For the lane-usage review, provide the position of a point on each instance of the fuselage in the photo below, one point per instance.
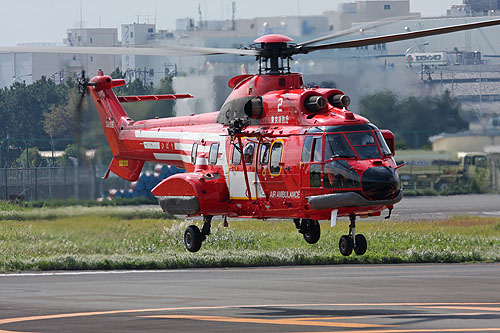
(288, 161)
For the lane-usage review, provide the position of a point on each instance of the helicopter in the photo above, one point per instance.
(275, 149)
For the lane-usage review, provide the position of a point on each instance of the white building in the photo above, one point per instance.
(30, 67)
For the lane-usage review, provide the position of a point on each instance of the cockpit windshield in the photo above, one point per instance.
(336, 146)
(362, 144)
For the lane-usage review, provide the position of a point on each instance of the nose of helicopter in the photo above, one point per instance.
(380, 182)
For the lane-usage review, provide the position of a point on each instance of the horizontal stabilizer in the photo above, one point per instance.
(128, 99)
(125, 168)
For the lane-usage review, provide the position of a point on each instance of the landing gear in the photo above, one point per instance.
(193, 237)
(310, 229)
(350, 242)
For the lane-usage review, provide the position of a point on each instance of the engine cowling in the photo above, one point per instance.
(194, 193)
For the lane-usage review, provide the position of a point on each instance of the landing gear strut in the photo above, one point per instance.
(350, 242)
(193, 237)
(310, 229)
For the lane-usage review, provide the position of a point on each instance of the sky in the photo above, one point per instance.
(26, 21)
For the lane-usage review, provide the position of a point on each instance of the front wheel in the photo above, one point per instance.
(192, 238)
(361, 245)
(345, 245)
(312, 231)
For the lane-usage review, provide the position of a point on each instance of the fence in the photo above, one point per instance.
(56, 183)
(418, 175)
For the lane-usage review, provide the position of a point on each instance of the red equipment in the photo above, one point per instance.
(276, 149)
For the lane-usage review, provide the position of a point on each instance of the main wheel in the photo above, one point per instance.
(345, 245)
(192, 238)
(312, 231)
(361, 245)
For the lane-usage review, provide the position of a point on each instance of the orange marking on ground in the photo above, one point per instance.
(291, 322)
(87, 314)
(480, 308)
(419, 330)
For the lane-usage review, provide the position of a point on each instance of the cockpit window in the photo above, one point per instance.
(336, 146)
(364, 143)
(386, 151)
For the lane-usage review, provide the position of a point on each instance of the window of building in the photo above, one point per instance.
(150, 29)
(387, 7)
(131, 34)
(90, 40)
(214, 153)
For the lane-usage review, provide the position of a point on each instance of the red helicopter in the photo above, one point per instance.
(276, 149)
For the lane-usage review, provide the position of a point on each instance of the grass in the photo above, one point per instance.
(137, 238)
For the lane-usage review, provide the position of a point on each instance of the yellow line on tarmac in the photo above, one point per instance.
(291, 322)
(416, 330)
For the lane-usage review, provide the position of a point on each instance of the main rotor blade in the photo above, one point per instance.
(358, 28)
(166, 50)
(401, 36)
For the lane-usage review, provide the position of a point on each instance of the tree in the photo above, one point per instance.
(414, 119)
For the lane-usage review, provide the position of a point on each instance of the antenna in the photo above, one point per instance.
(233, 19)
(81, 14)
(200, 22)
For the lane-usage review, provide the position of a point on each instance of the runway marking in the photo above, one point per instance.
(291, 322)
(418, 330)
(461, 306)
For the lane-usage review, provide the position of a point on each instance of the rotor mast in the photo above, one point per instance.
(274, 48)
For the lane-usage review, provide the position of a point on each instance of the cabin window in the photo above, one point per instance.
(236, 154)
(317, 149)
(306, 151)
(194, 153)
(276, 150)
(264, 153)
(248, 152)
(214, 153)
(315, 175)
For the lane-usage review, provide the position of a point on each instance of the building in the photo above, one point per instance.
(30, 67)
(367, 11)
(483, 7)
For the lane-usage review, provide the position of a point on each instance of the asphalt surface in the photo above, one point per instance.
(360, 298)
(439, 207)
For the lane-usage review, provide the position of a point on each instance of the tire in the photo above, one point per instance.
(361, 245)
(312, 231)
(345, 245)
(192, 238)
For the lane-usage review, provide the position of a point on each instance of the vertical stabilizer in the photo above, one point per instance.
(113, 118)
(109, 109)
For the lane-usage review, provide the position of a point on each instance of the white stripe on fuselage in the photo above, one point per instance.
(214, 137)
(177, 135)
(151, 145)
(172, 157)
